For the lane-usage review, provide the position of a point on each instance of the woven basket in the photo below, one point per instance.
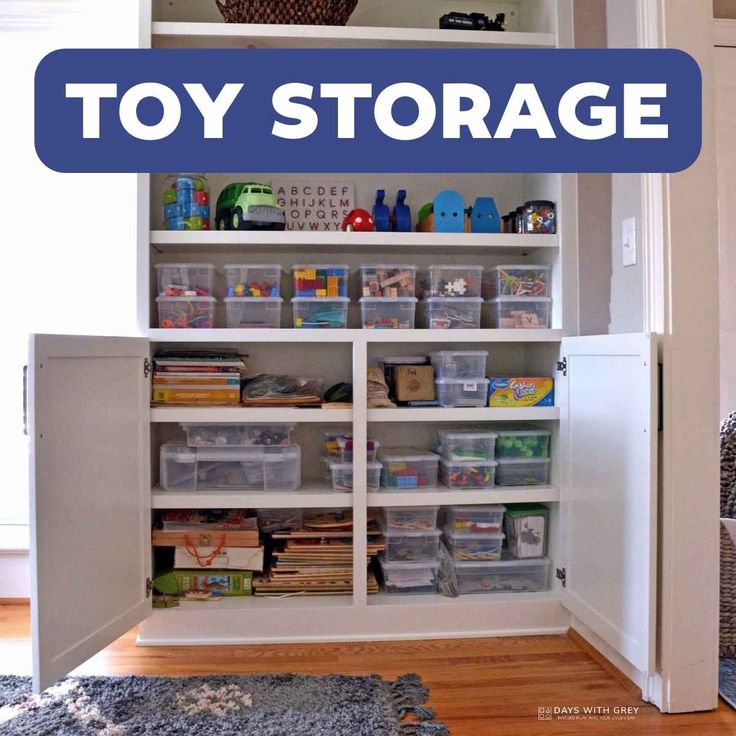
(728, 596)
(301, 12)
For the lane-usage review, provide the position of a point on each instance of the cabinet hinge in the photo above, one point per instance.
(561, 574)
(562, 366)
(149, 587)
(146, 367)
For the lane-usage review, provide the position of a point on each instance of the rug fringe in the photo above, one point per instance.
(409, 695)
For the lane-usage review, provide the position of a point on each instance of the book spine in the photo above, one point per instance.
(196, 395)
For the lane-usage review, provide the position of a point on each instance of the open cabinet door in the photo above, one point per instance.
(608, 489)
(88, 400)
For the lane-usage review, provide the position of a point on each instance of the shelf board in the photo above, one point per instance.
(248, 414)
(309, 496)
(460, 414)
(173, 241)
(445, 497)
(240, 35)
(224, 335)
(461, 336)
(437, 599)
(254, 603)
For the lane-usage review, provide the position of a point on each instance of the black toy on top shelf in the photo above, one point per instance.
(473, 22)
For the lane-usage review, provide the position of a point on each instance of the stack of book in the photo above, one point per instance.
(200, 379)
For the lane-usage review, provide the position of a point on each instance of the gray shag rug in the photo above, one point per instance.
(726, 680)
(220, 705)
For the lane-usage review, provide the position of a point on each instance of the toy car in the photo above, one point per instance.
(248, 206)
(360, 221)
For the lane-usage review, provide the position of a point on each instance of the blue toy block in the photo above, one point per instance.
(381, 214)
(449, 212)
(406, 481)
(204, 211)
(402, 214)
(171, 211)
(484, 216)
(177, 223)
(184, 182)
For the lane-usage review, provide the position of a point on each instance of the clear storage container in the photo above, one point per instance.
(186, 312)
(388, 313)
(186, 468)
(252, 279)
(408, 467)
(484, 519)
(253, 312)
(345, 445)
(342, 476)
(473, 545)
(450, 313)
(410, 518)
(186, 202)
(459, 363)
(467, 475)
(408, 577)
(526, 530)
(516, 280)
(454, 281)
(516, 312)
(462, 391)
(275, 520)
(504, 576)
(410, 546)
(538, 217)
(322, 281)
(525, 443)
(311, 312)
(522, 471)
(210, 434)
(185, 279)
(387, 280)
(473, 445)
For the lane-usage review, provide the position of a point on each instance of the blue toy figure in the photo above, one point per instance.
(449, 212)
(381, 215)
(484, 216)
(401, 216)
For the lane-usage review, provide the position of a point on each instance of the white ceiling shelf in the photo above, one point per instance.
(461, 414)
(242, 35)
(268, 415)
(445, 497)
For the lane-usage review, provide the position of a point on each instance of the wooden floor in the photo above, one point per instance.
(478, 687)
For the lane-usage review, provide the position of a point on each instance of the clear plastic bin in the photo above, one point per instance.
(516, 280)
(522, 471)
(408, 577)
(473, 545)
(342, 476)
(223, 468)
(237, 435)
(185, 279)
(473, 445)
(275, 520)
(410, 546)
(186, 202)
(454, 281)
(258, 280)
(471, 519)
(459, 363)
(312, 312)
(451, 313)
(526, 530)
(462, 391)
(321, 281)
(467, 475)
(387, 280)
(345, 445)
(505, 576)
(186, 312)
(410, 518)
(388, 313)
(408, 467)
(515, 312)
(253, 312)
(524, 443)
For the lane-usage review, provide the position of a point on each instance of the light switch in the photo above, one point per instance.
(628, 241)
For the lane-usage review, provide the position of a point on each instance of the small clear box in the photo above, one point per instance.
(459, 363)
(467, 475)
(388, 313)
(257, 280)
(345, 445)
(454, 281)
(522, 443)
(410, 546)
(312, 312)
(405, 468)
(460, 445)
(185, 279)
(523, 471)
(526, 530)
(450, 313)
(321, 281)
(186, 312)
(342, 476)
(408, 577)
(462, 391)
(505, 576)
(470, 519)
(210, 434)
(519, 312)
(253, 312)
(387, 280)
(516, 280)
(410, 518)
(473, 545)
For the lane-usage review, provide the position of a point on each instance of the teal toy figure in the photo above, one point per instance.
(484, 216)
(381, 215)
(449, 212)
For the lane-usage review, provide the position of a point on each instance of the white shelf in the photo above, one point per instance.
(437, 599)
(226, 414)
(445, 497)
(309, 496)
(223, 335)
(451, 336)
(259, 603)
(240, 35)
(446, 414)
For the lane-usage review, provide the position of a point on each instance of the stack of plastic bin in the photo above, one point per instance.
(339, 460)
(460, 377)
(320, 296)
(518, 296)
(467, 462)
(388, 301)
(452, 299)
(185, 298)
(253, 295)
(523, 456)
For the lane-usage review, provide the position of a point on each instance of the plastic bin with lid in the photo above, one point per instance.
(459, 363)
(185, 279)
(486, 519)
(454, 280)
(387, 280)
(257, 280)
(410, 545)
(522, 471)
(410, 518)
(464, 545)
(466, 444)
(186, 312)
(450, 313)
(342, 476)
(388, 313)
(345, 445)
(408, 467)
(408, 577)
(186, 468)
(504, 576)
(524, 443)
(214, 434)
(311, 312)
(253, 312)
(526, 530)
(468, 475)
(519, 312)
(516, 280)
(320, 280)
(462, 391)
